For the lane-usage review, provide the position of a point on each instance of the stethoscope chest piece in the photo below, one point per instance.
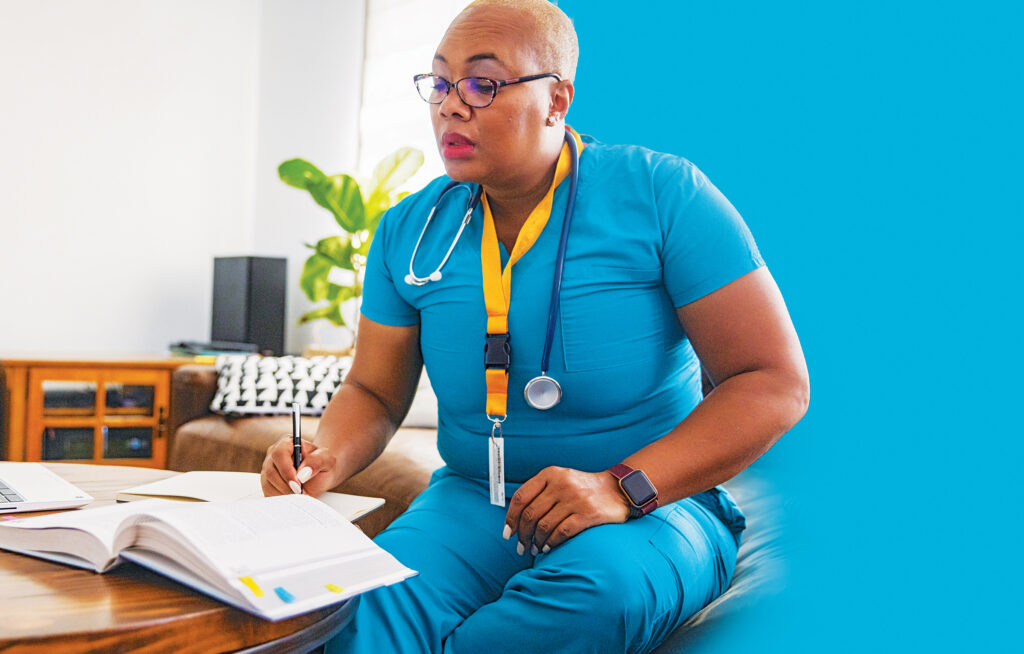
(421, 281)
(542, 392)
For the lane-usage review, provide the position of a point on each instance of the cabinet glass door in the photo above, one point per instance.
(127, 442)
(69, 398)
(134, 413)
(129, 399)
(74, 443)
(102, 415)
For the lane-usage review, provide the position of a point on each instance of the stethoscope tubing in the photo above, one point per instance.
(556, 283)
(474, 200)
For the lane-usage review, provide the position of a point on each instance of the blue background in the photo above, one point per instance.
(874, 150)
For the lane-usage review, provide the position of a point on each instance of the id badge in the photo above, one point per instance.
(496, 461)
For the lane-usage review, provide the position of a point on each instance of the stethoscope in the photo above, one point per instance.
(542, 392)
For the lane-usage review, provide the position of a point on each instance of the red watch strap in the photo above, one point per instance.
(650, 506)
(620, 470)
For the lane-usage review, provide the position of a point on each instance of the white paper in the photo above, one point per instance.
(220, 486)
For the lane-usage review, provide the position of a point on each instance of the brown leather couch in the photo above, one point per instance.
(202, 441)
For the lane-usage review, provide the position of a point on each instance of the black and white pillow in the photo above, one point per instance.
(250, 384)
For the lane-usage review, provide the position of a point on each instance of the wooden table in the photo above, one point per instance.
(48, 607)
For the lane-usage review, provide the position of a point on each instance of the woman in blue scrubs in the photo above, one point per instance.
(596, 524)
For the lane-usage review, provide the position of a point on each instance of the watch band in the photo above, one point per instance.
(620, 471)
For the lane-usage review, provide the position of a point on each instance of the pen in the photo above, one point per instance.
(296, 437)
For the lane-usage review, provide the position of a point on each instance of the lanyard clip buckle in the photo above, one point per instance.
(497, 351)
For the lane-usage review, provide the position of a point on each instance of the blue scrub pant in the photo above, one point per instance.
(611, 588)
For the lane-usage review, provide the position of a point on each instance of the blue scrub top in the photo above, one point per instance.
(650, 233)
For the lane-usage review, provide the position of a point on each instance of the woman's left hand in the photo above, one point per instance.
(558, 503)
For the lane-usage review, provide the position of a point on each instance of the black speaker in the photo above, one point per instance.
(249, 301)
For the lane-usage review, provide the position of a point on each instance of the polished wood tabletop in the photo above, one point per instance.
(48, 607)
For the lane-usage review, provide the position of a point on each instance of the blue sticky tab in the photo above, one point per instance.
(284, 595)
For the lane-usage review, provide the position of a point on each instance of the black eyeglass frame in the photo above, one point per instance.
(496, 84)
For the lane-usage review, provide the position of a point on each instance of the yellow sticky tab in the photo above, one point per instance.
(334, 589)
(253, 586)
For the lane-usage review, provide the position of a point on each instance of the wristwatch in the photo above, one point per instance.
(638, 489)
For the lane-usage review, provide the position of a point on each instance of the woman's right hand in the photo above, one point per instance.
(314, 476)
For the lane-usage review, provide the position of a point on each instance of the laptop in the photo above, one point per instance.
(32, 487)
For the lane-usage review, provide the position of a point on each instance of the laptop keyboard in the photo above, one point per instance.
(8, 494)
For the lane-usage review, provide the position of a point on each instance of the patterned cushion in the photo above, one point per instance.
(250, 384)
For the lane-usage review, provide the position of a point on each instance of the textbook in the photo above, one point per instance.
(219, 486)
(275, 557)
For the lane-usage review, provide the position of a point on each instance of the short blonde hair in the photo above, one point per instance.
(555, 37)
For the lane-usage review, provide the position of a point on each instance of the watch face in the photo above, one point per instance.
(638, 488)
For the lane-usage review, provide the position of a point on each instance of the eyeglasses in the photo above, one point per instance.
(476, 92)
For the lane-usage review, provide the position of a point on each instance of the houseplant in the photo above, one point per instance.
(333, 273)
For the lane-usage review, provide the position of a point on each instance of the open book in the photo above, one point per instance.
(220, 486)
(275, 557)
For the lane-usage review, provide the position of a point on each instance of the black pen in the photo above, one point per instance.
(296, 437)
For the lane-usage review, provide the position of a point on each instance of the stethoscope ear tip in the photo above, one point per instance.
(409, 280)
(435, 276)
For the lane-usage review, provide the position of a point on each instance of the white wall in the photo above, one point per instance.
(310, 64)
(135, 142)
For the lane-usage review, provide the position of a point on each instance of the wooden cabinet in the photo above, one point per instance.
(90, 411)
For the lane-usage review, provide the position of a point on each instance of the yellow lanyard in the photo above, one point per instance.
(497, 285)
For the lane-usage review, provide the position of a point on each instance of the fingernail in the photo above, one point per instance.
(304, 474)
(520, 549)
(534, 550)
(295, 488)
(547, 548)
(507, 532)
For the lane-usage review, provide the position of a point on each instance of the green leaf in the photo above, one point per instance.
(331, 312)
(374, 214)
(341, 195)
(345, 201)
(337, 250)
(395, 169)
(300, 173)
(314, 277)
(319, 192)
(336, 293)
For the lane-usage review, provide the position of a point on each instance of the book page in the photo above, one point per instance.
(86, 533)
(205, 485)
(221, 486)
(352, 507)
(290, 592)
(253, 536)
(101, 522)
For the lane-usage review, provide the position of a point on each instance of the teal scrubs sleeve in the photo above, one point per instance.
(706, 243)
(381, 301)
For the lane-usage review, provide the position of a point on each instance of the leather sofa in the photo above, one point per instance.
(200, 440)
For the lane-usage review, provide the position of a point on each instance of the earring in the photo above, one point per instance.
(551, 120)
